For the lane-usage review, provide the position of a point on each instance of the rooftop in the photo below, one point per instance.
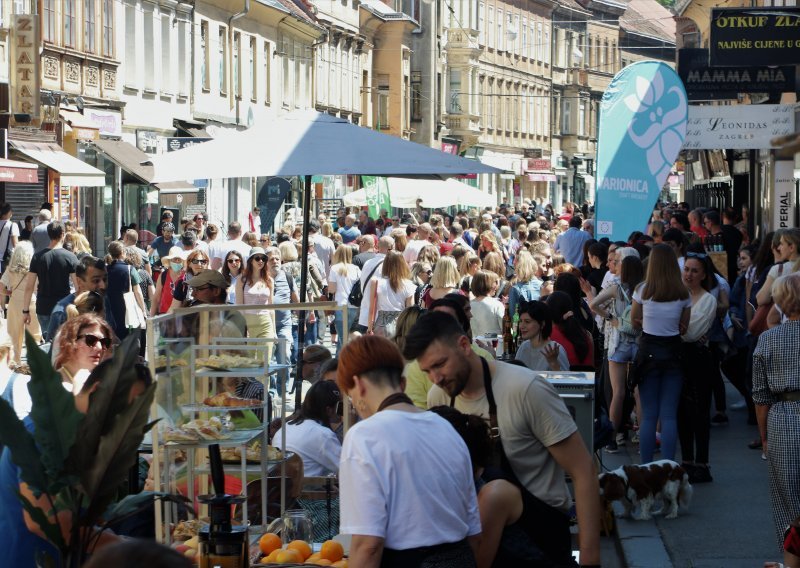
(649, 18)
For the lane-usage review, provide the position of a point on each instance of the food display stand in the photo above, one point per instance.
(192, 353)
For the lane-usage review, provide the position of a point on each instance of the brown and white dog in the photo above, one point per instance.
(638, 487)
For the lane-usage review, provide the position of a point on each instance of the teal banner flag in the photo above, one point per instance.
(643, 117)
(377, 192)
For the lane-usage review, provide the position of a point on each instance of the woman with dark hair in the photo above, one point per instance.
(568, 331)
(232, 270)
(257, 287)
(401, 511)
(570, 284)
(537, 351)
(122, 278)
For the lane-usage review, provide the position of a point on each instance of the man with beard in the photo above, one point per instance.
(539, 437)
(90, 276)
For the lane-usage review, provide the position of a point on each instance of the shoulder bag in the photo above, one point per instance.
(758, 324)
(134, 316)
(356, 295)
(625, 322)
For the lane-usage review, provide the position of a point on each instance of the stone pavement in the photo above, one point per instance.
(729, 523)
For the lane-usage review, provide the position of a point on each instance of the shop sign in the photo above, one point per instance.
(737, 127)
(18, 175)
(704, 82)
(175, 143)
(25, 65)
(86, 134)
(147, 141)
(783, 195)
(755, 36)
(270, 198)
(532, 153)
(450, 148)
(110, 122)
(538, 165)
(637, 146)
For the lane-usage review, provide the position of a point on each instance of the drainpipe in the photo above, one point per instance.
(231, 87)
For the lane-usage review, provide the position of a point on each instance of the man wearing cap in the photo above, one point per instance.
(211, 287)
(161, 245)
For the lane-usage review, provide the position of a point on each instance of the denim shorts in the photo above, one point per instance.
(626, 350)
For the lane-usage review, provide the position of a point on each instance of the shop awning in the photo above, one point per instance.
(73, 172)
(18, 172)
(129, 158)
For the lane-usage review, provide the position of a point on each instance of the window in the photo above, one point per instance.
(267, 73)
(149, 49)
(237, 65)
(69, 23)
(131, 79)
(299, 74)
(167, 74)
(286, 74)
(108, 28)
(222, 54)
(539, 42)
(603, 56)
(346, 91)
(382, 103)
(355, 85)
(481, 24)
(530, 103)
(566, 117)
(539, 118)
(547, 46)
(407, 104)
(501, 106)
(454, 106)
(183, 28)
(546, 114)
(253, 70)
(582, 118)
(523, 111)
(518, 39)
(501, 40)
(490, 105)
(333, 91)
(49, 21)
(533, 42)
(490, 28)
(515, 110)
(89, 16)
(481, 98)
(524, 46)
(205, 81)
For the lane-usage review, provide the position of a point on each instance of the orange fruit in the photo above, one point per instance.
(331, 550)
(271, 557)
(302, 547)
(340, 564)
(319, 562)
(313, 557)
(269, 542)
(287, 556)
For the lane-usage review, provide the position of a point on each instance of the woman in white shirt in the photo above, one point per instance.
(407, 491)
(391, 294)
(694, 424)
(487, 311)
(661, 307)
(255, 286)
(538, 352)
(342, 276)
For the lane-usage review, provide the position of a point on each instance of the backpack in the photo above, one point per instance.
(625, 322)
(356, 293)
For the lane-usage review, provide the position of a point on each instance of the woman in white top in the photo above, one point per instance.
(405, 477)
(694, 424)
(661, 307)
(487, 311)
(538, 352)
(12, 281)
(343, 275)
(255, 286)
(786, 244)
(391, 294)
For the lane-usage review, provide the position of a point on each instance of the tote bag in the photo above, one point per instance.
(134, 316)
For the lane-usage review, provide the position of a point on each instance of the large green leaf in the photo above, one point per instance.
(116, 454)
(53, 411)
(116, 377)
(24, 452)
(51, 530)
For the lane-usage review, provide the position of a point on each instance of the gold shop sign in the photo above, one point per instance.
(25, 65)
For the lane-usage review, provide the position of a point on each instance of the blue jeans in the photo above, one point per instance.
(44, 324)
(660, 392)
(338, 321)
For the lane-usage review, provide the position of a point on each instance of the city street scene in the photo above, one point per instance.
(399, 284)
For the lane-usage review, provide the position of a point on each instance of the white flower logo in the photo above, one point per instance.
(666, 129)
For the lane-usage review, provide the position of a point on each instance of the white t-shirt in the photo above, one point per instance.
(407, 478)
(367, 272)
(412, 250)
(702, 317)
(661, 318)
(487, 316)
(317, 445)
(231, 244)
(390, 300)
(344, 283)
(19, 392)
(535, 360)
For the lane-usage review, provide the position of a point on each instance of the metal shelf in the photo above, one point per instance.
(207, 408)
(238, 438)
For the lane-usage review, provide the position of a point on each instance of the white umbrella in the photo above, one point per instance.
(309, 143)
(404, 192)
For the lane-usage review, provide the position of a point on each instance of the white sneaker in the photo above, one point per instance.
(620, 439)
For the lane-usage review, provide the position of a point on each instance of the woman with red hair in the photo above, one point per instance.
(399, 514)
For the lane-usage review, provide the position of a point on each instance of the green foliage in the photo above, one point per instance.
(51, 530)
(24, 452)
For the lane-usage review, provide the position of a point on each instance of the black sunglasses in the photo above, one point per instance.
(234, 261)
(92, 340)
(259, 258)
(199, 261)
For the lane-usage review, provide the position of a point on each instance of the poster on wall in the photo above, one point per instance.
(270, 199)
(783, 215)
(642, 128)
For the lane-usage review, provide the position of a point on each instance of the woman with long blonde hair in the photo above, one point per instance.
(391, 294)
(342, 276)
(12, 279)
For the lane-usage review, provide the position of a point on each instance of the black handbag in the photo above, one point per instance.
(356, 295)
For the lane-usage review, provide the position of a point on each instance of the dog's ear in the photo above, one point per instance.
(612, 487)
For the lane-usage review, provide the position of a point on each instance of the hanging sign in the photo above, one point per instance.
(737, 127)
(642, 127)
(270, 198)
(755, 36)
(783, 195)
(703, 82)
(25, 65)
(377, 192)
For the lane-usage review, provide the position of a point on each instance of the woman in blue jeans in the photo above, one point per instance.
(661, 307)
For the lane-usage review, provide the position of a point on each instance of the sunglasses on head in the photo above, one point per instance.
(698, 255)
(92, 340)
(259, 258)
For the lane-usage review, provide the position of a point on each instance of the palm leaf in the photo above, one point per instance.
(50, 529)
(116, 454)
(116, 376)
(53, 412)
(24, 452)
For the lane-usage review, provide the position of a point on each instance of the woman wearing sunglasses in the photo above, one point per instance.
(196, 262)
(232, 270)
(82, 343)
(255, 286)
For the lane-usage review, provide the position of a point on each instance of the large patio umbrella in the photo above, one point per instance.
(307, 143)
(404, 192)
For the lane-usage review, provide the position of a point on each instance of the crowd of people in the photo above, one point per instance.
(426, 299)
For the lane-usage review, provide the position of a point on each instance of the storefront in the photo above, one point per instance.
(23, 185)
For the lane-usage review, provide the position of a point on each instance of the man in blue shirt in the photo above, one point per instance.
(349, 232)
(90, 276)
(570, 243)
(162, 244)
